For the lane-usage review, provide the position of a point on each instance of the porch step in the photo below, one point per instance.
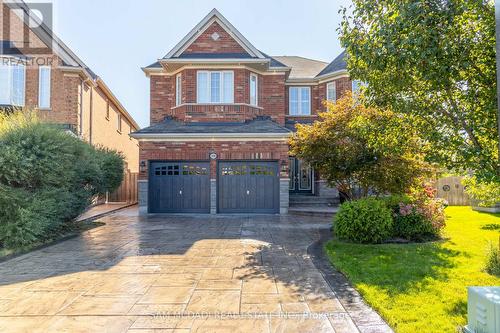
(311, 200)
(318, 211)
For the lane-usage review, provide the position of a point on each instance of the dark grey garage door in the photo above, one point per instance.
(248, 187)
(179, 187)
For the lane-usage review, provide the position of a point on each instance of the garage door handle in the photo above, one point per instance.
(248, 192)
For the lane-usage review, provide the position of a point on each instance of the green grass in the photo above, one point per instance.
(422, 287)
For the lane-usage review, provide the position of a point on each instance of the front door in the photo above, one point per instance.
(301, 176)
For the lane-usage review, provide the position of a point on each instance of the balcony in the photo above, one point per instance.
(216, 112)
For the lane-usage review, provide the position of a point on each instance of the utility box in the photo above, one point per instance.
(483, 310)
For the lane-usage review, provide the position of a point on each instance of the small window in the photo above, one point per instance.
(119, 123)
(107, 109)
(331, 93)
(178, 89)
(299, 101)
(44, 87)
(253, 90)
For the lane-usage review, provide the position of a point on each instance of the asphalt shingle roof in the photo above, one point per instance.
(262, 124)
(337, 64)
(301, 67)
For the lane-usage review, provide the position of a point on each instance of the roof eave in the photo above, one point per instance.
(115, 100)
(232, 136)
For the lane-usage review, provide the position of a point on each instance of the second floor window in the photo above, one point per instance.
(331, 94)
(119, 123)
(12, 84)
(215, 87)
(178, 89)
(299, 101)
(253, 90)
(44, 87)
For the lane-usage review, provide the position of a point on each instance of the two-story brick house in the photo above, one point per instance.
(221, 116)
(38, 71)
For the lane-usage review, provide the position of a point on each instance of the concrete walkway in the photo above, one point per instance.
(100, 210)
(179, 274)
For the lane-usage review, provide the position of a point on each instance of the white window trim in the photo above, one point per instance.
(178, 89)
(44, 107)
(328, 85)
(10, 85)
(209, 87)
(299, 101)
(256, 89)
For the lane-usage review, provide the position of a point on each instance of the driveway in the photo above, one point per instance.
(181, 274)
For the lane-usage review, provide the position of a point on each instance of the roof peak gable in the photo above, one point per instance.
(204, 24)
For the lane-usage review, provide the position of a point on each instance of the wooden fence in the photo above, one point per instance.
(127, 192)
(452, 190)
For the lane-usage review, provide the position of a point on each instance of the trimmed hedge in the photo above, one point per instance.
(363, 221)
(47, 178)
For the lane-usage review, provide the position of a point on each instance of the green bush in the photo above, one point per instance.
(47, 178)
(493, 261)
(363, 221)
(482, 193)
(414, 227)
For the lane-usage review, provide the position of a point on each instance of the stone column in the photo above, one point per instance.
(213, 196)
(143, 197)
(284, 195)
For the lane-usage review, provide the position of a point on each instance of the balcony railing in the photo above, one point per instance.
(216, 112)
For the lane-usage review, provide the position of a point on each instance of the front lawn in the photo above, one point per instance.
(422, 287)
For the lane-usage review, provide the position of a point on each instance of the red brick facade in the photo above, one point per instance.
(223, 44)
(226, 150)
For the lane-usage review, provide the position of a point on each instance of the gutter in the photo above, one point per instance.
(214, 136)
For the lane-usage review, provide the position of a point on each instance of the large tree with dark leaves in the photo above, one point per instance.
(434, 59)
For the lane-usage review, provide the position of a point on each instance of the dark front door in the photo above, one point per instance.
(248, 187)
(301, 176)
(179, 187)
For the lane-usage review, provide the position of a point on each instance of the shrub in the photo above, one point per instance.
(363, 221)
(412, 225)
(493, 261)
(485, 194)
(47, 178)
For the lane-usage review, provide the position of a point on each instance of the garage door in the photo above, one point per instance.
(248, 187)
(179, 187)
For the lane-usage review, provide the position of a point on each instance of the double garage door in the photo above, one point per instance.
(242, 187)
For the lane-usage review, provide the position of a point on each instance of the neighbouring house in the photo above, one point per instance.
(222, 112)
(38, 71)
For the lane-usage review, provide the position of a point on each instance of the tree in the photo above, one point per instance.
(433, 60)
(362, 150)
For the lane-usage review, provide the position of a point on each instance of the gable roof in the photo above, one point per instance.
(336, 65)
(214, 16)
(302, 68)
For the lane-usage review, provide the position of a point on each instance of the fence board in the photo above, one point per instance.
(452, 190)
(127, 192)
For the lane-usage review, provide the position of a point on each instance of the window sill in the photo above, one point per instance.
(217, 104)
(301, 115)
(45, 109)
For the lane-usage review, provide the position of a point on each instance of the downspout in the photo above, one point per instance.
(80, 134)
(90, 116)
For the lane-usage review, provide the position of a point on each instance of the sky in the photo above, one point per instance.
(115, 38)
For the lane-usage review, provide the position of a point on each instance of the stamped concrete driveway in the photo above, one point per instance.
(181, 274)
